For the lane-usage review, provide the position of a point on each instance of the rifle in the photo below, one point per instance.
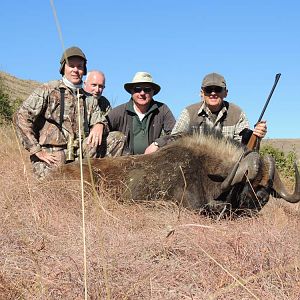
(253, 141)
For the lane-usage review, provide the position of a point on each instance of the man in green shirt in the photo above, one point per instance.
(142, 119)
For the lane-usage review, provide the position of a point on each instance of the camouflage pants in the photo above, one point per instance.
(112, 146)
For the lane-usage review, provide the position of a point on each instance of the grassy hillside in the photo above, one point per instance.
(17, 89)
(135, 250)
(285, 145)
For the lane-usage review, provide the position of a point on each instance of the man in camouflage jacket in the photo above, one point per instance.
(47, 122)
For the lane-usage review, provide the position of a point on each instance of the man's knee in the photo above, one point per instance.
(115, 143)
(40, 169)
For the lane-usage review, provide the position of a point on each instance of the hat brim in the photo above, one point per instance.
(129, 86)
(213, 83)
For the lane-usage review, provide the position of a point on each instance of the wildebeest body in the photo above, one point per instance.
(189, 171)
(193, 171)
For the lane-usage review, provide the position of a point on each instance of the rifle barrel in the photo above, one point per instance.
(270, 95)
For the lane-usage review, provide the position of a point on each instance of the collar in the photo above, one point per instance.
(70, 85)
(204, 110)
(153, 105)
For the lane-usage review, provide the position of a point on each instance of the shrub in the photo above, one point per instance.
(7, 107)
(284, 162)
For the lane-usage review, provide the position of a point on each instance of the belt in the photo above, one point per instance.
(57, 148)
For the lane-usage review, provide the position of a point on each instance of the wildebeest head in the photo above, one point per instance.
(251, 181)
(197, 172)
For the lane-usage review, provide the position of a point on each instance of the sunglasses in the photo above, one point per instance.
(210, 89)
(138, 89)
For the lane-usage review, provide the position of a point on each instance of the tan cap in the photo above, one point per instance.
(214, 79)
(72, 51)
(142, 77)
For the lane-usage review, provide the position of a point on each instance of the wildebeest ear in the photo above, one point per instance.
(216, 177)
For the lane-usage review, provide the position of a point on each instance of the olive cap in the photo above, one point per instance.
(214, 79)
(72, 51)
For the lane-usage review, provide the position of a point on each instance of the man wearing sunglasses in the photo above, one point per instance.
(142, 119)
(215, 112)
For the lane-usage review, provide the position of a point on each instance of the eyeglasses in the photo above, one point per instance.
(210, 89)
(138, 89)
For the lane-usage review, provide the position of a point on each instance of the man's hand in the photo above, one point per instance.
(49, 158)
(151, 148)
(260, 129)
(95, 137)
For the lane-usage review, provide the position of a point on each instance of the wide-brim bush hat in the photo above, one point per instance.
(142, 77)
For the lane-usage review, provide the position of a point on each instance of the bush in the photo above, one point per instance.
(284, 162)
(7, 107)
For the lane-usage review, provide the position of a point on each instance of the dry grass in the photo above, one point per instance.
(16, 88)
(136, 251)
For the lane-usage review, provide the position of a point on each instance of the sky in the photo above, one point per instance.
(178, 42)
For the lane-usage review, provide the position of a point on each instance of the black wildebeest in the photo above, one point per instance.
(196, 171)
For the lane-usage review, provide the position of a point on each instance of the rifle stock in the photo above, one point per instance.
(254, 141)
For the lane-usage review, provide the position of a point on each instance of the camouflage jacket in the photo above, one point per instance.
(104, 105)
(39, 121)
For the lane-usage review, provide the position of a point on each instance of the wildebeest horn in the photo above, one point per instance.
(280, 189)
(249, 164)
(271, 161)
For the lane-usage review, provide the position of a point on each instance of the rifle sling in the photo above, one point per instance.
(62, 106)
(62, 110)
(85, 118)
